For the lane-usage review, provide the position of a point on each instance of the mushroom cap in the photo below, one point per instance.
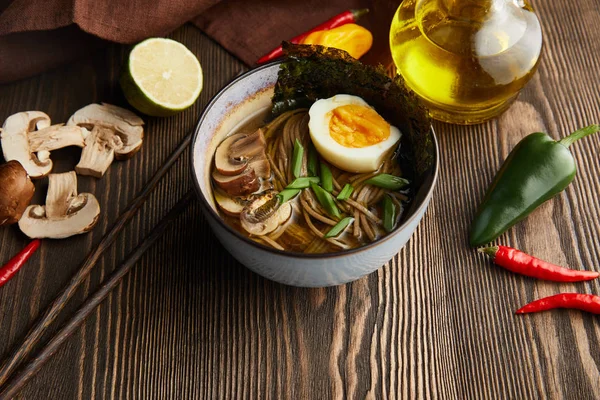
(36, 225)
(229, 205)
(124, 123)
(16, 191)
(15, 141)
(226, 164)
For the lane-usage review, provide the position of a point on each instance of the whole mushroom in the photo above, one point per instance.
(16, 191)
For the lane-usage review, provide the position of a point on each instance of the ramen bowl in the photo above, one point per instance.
(245, 98)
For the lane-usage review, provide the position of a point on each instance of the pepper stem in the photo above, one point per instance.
(581, 133)
(357, 13)
(490, 251)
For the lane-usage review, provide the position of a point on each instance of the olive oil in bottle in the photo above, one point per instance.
(466, 59)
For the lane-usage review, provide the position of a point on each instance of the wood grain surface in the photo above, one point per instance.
(436, 322)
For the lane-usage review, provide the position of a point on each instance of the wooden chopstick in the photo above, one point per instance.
(93, 301)
(42, 324)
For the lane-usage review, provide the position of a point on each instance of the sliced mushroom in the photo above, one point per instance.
(123, 123)
(264, 186)
(248, 145)
(21, 142)
(239, 185)
(241, 165)
(263, 215)
(261, 166)
(225, 164)
(229, 205)
(99, 152)
(65, 214)
(16, 191)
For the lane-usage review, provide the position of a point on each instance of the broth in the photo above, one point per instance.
(303, 231)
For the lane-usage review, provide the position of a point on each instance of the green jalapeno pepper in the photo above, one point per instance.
(537, 169)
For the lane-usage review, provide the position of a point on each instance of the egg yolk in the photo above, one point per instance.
(353, 125)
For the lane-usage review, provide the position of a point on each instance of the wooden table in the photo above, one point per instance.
(436, 322)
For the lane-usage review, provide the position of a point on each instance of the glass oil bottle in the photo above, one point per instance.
(466, 59)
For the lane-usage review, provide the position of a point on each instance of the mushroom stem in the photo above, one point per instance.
(99, 152)
(55, 137)
(62, 189)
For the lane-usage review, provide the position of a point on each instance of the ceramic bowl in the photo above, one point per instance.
(246, 97)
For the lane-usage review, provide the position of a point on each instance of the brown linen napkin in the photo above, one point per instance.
(36, 35)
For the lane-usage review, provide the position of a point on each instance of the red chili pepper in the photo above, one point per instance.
(516, 261)
(13, 266)
(584, 302)
(341, 19)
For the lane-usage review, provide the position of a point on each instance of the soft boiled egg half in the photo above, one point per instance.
(350, 134)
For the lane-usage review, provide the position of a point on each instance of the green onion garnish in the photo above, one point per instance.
(389, 213)
(313, 161)
(326, 178)
(303, 182)
(346, 192)
(339, 227)
(326, 200)
(287, 194)
(387, 181)
(297, 159)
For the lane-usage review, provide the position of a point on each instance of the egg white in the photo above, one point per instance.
(350, 159)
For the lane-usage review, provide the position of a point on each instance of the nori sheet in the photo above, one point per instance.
(312, 72)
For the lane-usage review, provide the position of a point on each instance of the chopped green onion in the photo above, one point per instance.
(339, 227)
(303, 182)
(387, 181)
(389, 213)
(326, 200)
(313, 161)
(287, 194)
(346, 192)
(297, 159)
(326, 178)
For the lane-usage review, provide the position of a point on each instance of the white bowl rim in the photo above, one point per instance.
(293, 254)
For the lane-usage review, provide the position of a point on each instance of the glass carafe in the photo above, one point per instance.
(467, 59)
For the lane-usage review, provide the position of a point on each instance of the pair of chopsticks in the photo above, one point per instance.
(7, 391)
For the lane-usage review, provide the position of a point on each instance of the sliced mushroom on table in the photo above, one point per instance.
(119, 134)
(16, 191)
(66, 213)
(28, 138)
(99, 152)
